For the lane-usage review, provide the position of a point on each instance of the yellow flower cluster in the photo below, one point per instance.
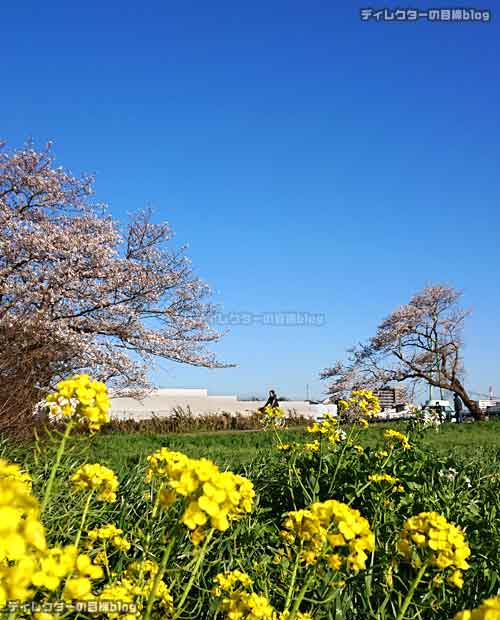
(272, 412)
(141, 568)
(247, 606)
(134, 587)
(96, 478)
(81, 398)
(22, 536)
(428, 537)
(329, 429)
(238, 604)
(488, 610)
(49, 569)
(326, 427)
(108, 532)
(395, 437)
(15, 581)
(383, 478)
(79, 586)
(361, 403)
(14, 472)
(129, 591)
(271, 417)
(214, 497)
(391, 480)
(225, 582)
(53, 566)
(21, 531)
(327, 527)
(25, 560)
(125, 591)
(308, 446)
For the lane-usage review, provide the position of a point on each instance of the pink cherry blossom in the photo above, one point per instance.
(80, 292)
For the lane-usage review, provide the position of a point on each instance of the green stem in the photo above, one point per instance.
(194, 574)
(79, 534)
(292, 581)
(320, 467)
(277, 435)
(301, 595)
(290, 487)
(365, 486)
(411, 591)
(106, 561)
(158, 577)
(55, 466)
(147, 542)
(344, 447)
(331, 590)
(84, 518)
(307, 496)
(387, 459)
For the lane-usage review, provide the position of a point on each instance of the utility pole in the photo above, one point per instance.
(307, 391)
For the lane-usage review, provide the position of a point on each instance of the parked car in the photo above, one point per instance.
(442, 408)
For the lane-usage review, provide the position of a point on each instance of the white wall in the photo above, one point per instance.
(163, 401)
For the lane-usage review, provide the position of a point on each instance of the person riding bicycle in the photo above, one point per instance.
(272, 401)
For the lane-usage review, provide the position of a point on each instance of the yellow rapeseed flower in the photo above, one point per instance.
(488, 610)
(247, 606)
(98, 478)
(271, 417)
(428, 537)
(12, 470)
(81, 398)
(21, 532)
(214, 498)
(308, 446)
(53, 565)
(225, 582)
(134, 592)
(391, 480)
(108, 532)
(329, 530)
(16, 580)
(396, 438)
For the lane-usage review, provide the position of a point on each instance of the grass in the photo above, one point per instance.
(469, 498)
(237, 449)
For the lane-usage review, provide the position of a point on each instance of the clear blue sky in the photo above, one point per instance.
(313, 162)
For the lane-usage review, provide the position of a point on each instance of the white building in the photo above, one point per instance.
(487, 404)
(163, 401)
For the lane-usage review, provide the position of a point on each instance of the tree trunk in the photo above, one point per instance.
(471, 405)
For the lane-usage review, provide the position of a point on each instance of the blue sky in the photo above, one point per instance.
(313, 162)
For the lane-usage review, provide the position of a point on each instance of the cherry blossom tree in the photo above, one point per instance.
(81, 293)
(418, 342)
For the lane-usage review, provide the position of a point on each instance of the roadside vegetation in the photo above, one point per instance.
(344, 519)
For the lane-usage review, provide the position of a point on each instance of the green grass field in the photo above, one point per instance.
(240, 448)
(452, 471)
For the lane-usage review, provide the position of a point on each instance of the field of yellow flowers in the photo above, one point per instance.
(324, 528)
